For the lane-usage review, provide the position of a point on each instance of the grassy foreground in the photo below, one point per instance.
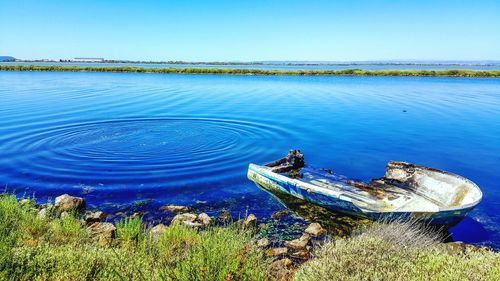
(235, 71)
(55, 248)
(34, 248)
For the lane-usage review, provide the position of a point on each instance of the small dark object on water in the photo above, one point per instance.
(330, 171)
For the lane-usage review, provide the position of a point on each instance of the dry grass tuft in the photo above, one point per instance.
(397, 251)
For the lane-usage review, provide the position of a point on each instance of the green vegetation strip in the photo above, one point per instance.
(239, 71)
(56, 247)
(52, 247)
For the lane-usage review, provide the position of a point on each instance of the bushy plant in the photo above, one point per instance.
(397, 251)
(130, 230)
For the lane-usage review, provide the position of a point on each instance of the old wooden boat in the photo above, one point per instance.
(405, 191)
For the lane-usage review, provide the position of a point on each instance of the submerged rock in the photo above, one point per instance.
(175, 208)
(69, 203)
(204, 219)
(279, 214)
(315, 229)
(102, 233)
(277, 252)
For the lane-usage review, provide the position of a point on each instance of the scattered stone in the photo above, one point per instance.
(225, 216)
(300, 243)
(120, 214)
(279, 214)
(315, 229)
(25, 202)
(175, 209)
(184, 217)
(157, 230)
(459, 248)
(69, 203)
(102, 233)
(204, 219)
(42, 214)
(277, 252)
(474, 248)
(64, 215)
(41, 206)
(263, 243)
(92, 217)
(453, 248)
(250, 221)
(192, 224)
(303, 255)
(281, 269)
(138, 215)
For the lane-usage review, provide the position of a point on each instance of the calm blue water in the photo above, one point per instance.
(493, 66)
(187, 139)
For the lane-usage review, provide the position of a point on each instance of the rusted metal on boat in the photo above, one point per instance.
(406, 190)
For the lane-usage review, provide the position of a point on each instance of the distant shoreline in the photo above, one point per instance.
(263, 72)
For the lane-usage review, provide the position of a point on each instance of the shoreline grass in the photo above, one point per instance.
(263, 72)
(57, 247)
(54, 247)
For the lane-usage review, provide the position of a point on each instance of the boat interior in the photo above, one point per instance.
(405, 187)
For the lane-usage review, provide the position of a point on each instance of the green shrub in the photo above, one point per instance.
(130, 230)
(219, 255)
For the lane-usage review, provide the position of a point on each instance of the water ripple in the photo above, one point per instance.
(149, 151)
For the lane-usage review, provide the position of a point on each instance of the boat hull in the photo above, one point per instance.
(334, 201)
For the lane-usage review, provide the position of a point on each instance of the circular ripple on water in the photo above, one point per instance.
(140, 152)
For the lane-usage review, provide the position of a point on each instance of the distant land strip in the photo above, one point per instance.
(240, 71)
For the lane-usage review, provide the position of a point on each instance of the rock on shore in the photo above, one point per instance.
(68, 203)
(102, 233)
(315, 230)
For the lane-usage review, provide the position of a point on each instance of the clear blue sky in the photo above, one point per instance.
(251, 30)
